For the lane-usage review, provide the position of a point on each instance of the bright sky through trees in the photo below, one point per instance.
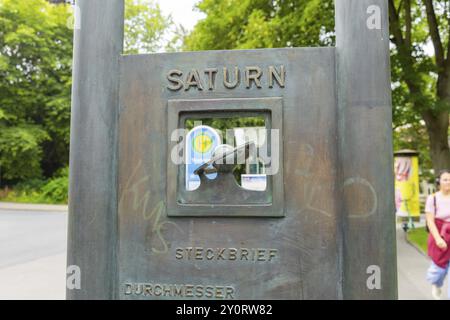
(182, 11)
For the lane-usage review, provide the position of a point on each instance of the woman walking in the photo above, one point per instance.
(437, 212)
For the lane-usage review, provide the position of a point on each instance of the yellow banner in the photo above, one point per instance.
(407, 186)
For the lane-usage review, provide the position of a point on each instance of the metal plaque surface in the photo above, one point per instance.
(280, 244)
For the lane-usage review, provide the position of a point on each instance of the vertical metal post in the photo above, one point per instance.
(98, 44)
(365, 149)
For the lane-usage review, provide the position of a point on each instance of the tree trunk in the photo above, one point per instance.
(437, 128)
(437, 124)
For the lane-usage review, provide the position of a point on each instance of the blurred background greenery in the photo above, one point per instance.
(35, 91)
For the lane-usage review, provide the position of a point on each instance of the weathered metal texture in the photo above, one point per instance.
(293, 257)
(337, 219)
(93, 166)
(365, 148)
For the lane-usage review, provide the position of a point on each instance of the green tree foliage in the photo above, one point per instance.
(35, 80)
(245, 24)
(421, 95)
(35, 72)
(251, 24)
(53, 191)
(145, 26)
(224, 124)
(414, 136)
(21, 151)
(57, 189)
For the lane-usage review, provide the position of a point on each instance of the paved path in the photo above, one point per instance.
(10, 206)
(32, 253)
(33, 256)
(412, 265)
(411, 269)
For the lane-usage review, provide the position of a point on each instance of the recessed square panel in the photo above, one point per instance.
(180, 238)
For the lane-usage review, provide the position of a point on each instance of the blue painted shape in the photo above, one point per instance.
(200, 145)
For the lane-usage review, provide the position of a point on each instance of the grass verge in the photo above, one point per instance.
(418, 237)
